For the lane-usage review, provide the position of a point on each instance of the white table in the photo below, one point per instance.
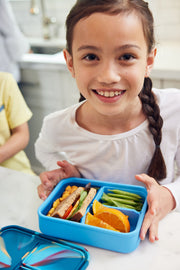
(19, 202)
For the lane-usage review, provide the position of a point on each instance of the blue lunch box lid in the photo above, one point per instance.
(21, 248)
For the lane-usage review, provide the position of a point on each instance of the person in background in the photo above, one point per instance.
(14, 132)
(123, 130)
(13, 44)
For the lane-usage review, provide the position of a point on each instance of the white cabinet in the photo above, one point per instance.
(45, 91)
(163, 83)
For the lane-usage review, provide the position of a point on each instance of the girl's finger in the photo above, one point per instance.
(41, 192)
(145, 179)
(48, 181)
(44, 179)
(63, 163)
(148, 220)
(153, 232)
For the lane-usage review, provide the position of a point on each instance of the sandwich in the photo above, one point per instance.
(74, 206)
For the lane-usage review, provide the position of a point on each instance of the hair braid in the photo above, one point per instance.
(157, 167)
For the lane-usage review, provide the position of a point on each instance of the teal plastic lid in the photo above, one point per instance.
(21, 248)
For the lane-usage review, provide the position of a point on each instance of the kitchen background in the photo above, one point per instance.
(46, 84)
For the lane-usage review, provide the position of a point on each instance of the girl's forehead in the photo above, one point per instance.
(106, 27)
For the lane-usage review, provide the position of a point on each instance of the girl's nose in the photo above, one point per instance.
(108, 74)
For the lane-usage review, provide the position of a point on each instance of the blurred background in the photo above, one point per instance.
(45, 82)
(166, 14)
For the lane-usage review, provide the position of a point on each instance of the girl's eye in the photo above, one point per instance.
(90, 57)
(127, 57)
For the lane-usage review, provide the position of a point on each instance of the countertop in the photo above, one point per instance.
(19, 204)
(167, 62)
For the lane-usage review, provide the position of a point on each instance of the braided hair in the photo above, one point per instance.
(157, 167)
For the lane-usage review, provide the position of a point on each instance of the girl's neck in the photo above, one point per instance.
(108, 125)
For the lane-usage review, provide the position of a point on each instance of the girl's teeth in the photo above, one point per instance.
(106, 94)
(101, 93)
(109, 93)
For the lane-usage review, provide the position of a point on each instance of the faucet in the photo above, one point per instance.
(34, 9)
(46, 21)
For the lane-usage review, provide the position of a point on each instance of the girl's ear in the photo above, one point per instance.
(150, 61)
(69, 62)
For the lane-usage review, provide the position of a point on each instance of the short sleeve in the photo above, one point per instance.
(17, 111)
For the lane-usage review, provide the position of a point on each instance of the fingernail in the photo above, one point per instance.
(142, 236)
(152, 239)
(43, 197)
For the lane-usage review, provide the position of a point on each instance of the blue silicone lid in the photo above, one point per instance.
(21, 248)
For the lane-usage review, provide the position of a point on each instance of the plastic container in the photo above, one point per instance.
(91, 235)
(21, 248)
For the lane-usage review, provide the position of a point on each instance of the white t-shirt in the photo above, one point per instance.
(115, 158)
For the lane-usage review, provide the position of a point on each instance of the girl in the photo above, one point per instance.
(116, 132)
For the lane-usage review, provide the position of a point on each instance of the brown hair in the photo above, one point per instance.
(83, 9)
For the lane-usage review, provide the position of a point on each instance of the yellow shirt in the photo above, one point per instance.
(13, 112)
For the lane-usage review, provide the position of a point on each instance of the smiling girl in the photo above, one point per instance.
(122, 130)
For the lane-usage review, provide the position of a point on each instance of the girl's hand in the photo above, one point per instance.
(50, 179)
(160, 203)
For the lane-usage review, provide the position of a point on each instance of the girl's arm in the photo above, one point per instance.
(17, 142)
(50, 179)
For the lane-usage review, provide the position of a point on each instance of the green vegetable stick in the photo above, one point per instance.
(123, 201)
(129, 202)
(129, 197)
(118, 191)
(120, 203)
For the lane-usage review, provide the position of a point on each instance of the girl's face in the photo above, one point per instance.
(109, 62)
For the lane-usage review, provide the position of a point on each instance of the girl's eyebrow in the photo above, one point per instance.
(128, 46)
(88, 47)
(120, 48)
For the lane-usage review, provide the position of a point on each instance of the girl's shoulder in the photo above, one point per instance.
(62, 116)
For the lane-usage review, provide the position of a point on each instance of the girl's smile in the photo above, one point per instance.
(109, 62)
(108, 95)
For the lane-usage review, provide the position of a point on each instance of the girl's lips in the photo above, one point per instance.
(110, 95)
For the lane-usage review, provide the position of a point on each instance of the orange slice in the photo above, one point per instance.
(111, 216)
(97, 207)
(94, 221)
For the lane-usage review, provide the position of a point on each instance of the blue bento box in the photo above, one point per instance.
(21, 248)
(90, 235)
